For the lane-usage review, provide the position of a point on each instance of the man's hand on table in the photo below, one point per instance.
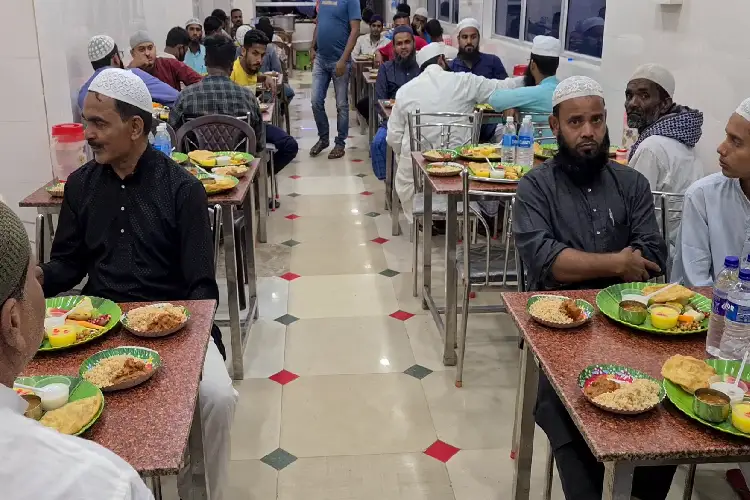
(634, 267)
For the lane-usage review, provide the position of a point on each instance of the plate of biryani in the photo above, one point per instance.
(437, 155)
(557, 311)
(120, 368)
(57, 189)
(620, 389)
(155, 320)
(444, 169)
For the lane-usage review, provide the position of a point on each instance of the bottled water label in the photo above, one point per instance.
(510, 141)
(525, 141)
(737, 313)
(720, 303)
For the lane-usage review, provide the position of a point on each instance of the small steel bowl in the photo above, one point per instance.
(711, 412)
(633, 317)
(34, 409)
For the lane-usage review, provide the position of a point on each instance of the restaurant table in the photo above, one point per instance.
(385, 108)
(370, 80)
(151, 425)
(359, 67)
(241, 196)
(663, 436)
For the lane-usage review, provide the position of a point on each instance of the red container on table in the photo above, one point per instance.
(68, 145)
(519, 69)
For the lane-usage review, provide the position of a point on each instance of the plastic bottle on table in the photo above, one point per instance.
(510, 141)
(726, 279)
(736, 338)
(162, 141)
(525, 150)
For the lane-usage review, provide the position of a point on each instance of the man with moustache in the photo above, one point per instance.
(174, 73)
(418, 22)
(196, 54)
(386, 52)
(391, 77)
(583, 221)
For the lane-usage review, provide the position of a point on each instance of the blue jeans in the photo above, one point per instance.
(378, 152)
(323, 73)
(286, 146)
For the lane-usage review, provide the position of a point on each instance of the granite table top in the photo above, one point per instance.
(453, 185)
(370, 79)
(385, 107)
(662, 434)
(147, 426)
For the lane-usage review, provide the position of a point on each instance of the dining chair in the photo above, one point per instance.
(668, 207)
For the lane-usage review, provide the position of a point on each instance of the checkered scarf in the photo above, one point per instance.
(681, 124)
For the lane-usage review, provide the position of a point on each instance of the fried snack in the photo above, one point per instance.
(599, 386)
(83, 311)
(233, 170)
(479, 169)
(570, 308)
(677, 293)
(481, 151)
(153, 319)
(689, 373)
(72, 417)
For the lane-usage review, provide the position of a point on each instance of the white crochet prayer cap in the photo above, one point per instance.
(744, 109)
(431, 50)
(657, 74)
(100, 46)
(124, 86)
(193, 21)
(544, 45)
(240, 34)
(140, 37)
(421, 12)
(468, 22)
(576, 86)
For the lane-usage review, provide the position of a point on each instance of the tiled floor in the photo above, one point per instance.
(344, 400)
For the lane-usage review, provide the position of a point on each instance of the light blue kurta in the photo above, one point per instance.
(536, 100)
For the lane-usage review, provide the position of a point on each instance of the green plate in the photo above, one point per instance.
(79, 389)
(213, 189)
(245, 157)
(149, 356)
(462, 149)
(180, 157)
(684, 400)
(548, 151)
(433, 158)
(588, 309)
(617, 373)
(103, 306)
(608, 302)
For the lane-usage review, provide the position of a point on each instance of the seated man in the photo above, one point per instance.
(392, 75)
(368, 43)
(435, 89)
(583, 221)
(95, 472)
(174, 73)
(434, 30)
(418, 23)
(176, 44)
(196, 54)
(103, 54)
(716, 209)
(667, 135)
(136, 224)
(386, 52)
(271, 60)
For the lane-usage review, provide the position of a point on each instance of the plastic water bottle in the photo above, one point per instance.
(510, 141)
(162, 141)
(726, 279)
(525, 150)
(736, 338)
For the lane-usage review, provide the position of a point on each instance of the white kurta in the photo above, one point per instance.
(42, 463)
(435, 90)
(366, 47)
(670, 167)
(715, 224)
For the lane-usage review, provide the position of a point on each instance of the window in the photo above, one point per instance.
(447, 10)
(578, 23)
(300, 8)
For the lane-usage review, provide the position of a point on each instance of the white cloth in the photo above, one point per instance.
(430, 51)
(422, 12)
(100, 46)
(544, 45)
(42, 463)
(193, 21)
(218, 400)
(239, 35)
(366, 47)
(576, 86)
(744, 109)
(670, 167)
(715, 223)
(657, 74)
(124, 86)
(428, 92)
(165, 55)
(468, 22)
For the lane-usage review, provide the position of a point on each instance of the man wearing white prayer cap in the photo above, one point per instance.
(667, 135)
(103, 53)
(136, 224)
(418, 22)
(435, 89)
(174, 73)
(196, 54)
(583, 221)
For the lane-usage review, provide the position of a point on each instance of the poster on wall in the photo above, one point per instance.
(629, 135)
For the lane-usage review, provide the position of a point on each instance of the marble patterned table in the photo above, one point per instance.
(149, 426)
(662, 436)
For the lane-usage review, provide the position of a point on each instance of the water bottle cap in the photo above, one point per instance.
(745, 274)
(161, 126)
(732, 262)
(509, 120)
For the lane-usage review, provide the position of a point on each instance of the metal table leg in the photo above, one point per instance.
(395, 202)
(618, 480)
(426, 246)
(523, 438)
(388, 175)
(154, 484)
(230, 261)
(250, 258)
(263, 195)
(199, 490)
(451, 292)
(373, 120)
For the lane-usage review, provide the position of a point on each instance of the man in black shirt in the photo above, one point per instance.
(137, 225)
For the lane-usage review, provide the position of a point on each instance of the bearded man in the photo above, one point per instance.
(583, 221)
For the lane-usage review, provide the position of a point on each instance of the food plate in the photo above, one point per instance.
(220, 184)
(444, 169)
(101, 307)
(484, 107)
(481, 171)
(154, 334)
(480, 152)
(180, 158)
(545, 151)
(208, 159)
(79, 389)
(608, 302)
(56, 190)
(586, 308)
(438, 155)
(232, 170)
(613, 150)
(683, 400)
(619, 374)
(150, 357)
(237, 157)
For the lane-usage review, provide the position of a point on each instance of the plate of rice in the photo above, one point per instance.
(155, 320)
(620, 389)
(557, 311)
(120, 368)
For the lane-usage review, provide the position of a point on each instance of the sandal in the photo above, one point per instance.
(318, 147)
(336, 152)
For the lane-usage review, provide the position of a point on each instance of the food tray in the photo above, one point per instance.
(587, 308)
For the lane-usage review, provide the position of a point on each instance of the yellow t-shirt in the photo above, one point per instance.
(240, 77)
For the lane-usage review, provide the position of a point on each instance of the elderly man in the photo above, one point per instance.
(103, 54)
(386, 52)
(583, 221)
(24, 444)
(136, 224)
(435, 89)
(196, 54)
(170, 71)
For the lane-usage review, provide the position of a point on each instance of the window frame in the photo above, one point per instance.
(451, 4)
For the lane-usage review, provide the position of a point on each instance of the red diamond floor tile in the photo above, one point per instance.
(292, 216)
(366, 193)
(284, 377)
(401, 315)
(380, 240)
(289, 276)
(441, 451)
(295, 176)
(357, 161)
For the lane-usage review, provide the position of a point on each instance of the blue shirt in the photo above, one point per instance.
(536, 100)
(197, 61)
(391, 77)
(333, 30)
(160, 91)
(488, 66)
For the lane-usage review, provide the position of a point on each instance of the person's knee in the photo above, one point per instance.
(218, 398)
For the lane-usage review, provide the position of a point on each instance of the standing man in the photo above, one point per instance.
(170, 71)
(212, 25)
(583, 221)
(176, 45)
(196, 54)
(236, 19)
(335, 34)
(223, 19)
